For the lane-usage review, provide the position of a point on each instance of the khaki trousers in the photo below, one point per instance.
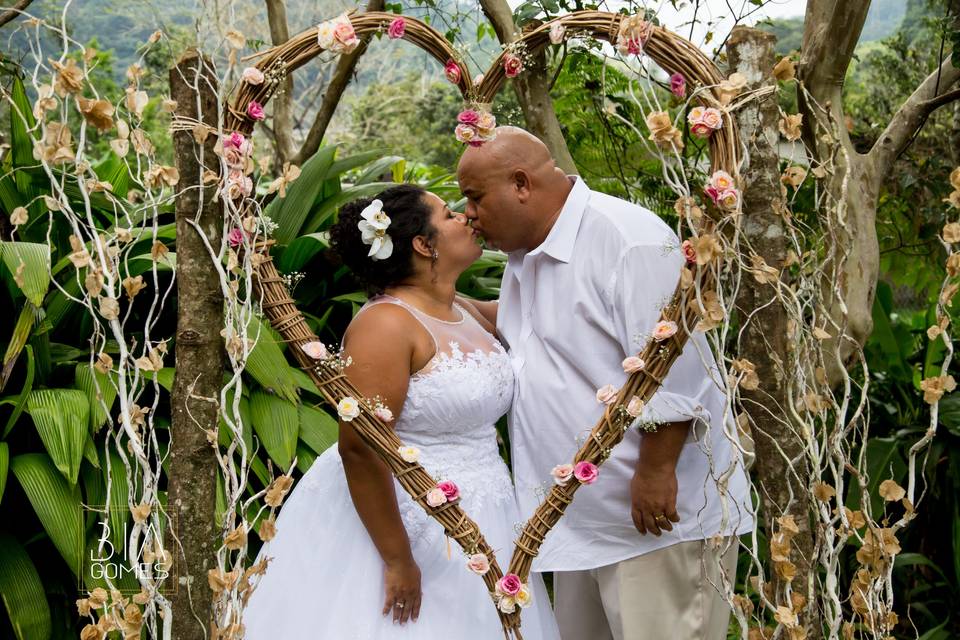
(667, 594)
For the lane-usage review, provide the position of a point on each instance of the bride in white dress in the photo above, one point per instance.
(354, 557)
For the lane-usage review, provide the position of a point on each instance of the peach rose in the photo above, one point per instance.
(606, 394)
(721, 181)
(479, 563)
(632, 364)
(562, 473)
(635, 407)
(689, 252)
(436, 497)
(252, 75)
(664, 329)
(712, 118)
(315, 349)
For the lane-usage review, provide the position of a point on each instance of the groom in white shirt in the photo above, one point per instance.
(639, 554)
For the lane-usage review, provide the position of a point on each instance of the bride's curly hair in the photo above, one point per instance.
(409, 217)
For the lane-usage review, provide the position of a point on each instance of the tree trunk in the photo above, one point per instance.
(283, 100)
(199, 365)
(331, 98)
(780, 472)
(532, 88)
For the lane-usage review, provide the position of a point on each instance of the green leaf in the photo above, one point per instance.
(4, 466)
(56, 504)
(323, 212)
(266, 362)
(305, 457)
(119, 494)
(318, 429)
(21, 333)
(35, 259)
(342, 165)
(24, 393)
(97, 387)
(277, 424)
(21, 121)
(301, 251)
(379, 168)
(114, 170)
(289, 213)
(61, 417)
(22, 592)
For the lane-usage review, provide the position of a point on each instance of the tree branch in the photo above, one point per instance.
(282, 120)
(830, 34)
(532, 88)
(338, 84)
(934, 92)
(14, 12)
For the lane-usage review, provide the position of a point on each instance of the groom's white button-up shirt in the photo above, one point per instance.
(570, 311)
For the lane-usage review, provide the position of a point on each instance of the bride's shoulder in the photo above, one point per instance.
(379, 321)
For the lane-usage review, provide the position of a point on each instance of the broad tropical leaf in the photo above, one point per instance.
(35, 258)
(61, 417)
(324, 211)
(290, 212)
(118, 490)
(318, 429)
(97, 386)
(24, 393)
(266, 362)
(4, 467)
(277, 424)
(56, 504)
(22, 592)
(301, 251)
(381, 167)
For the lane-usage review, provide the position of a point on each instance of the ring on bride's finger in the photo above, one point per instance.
(399, 605)
(660, 517)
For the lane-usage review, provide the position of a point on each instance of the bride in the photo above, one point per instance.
(354, 556)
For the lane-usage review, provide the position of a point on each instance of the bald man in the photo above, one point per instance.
(645, 551)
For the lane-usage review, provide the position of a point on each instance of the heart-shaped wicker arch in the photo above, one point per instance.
(672, 53)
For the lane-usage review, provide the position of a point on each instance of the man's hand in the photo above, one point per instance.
(653, 494)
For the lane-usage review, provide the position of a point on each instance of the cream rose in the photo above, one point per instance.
(606, 394)
(348, 409)
(409, 454)
(664, 329)
(632, 364)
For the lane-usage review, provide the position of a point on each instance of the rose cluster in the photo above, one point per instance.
(475, 127)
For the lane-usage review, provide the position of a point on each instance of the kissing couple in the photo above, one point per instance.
(644, 553)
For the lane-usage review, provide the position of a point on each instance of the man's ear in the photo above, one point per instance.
(521, 182)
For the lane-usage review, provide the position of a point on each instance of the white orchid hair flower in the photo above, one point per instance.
(373, 230)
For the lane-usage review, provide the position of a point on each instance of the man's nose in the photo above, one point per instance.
(470, 211)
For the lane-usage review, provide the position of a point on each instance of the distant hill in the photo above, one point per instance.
(883, 19)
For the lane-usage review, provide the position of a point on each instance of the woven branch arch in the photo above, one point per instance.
(672, 53)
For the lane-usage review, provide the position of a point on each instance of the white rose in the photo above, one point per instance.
(507, 604)
(524, 597)
(348, 409)
(436, 497)
(252, 75)
(325, 34)
(409, 454)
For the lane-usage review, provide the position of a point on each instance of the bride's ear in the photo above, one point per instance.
(422, 246)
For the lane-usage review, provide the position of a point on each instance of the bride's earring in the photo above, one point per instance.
(435, 255)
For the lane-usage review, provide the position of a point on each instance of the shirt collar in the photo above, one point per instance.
(563, 235)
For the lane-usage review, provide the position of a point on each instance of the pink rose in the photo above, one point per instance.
(235, 237)
(586, 472)
(562, 473)
(678, 85)
(436, 497)
(233, 157)
(452, 71)
(315, 349)
(344, 33)
(689, 252)
(252, 75)
(235, 140)
(700, 129)
(396, 29)
(468, 116)
(632, 364)
(635, 407)
(712, 192)
(606, 394)
(509, 584)
(664, 329)
(465, 133)
(479, 563)
(712, 118)
(721, 180)
(729, 199)
(383, 413)
(255, 110)
(512, 65)
(450, 490)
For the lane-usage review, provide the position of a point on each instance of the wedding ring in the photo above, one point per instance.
(399, 605)
(660, 517)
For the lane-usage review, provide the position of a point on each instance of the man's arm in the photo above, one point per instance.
(653, 489)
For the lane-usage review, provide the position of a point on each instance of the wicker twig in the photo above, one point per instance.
(671, 52)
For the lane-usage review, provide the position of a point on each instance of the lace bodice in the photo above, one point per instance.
(450, 411)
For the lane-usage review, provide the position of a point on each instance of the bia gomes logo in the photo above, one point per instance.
(107, 562)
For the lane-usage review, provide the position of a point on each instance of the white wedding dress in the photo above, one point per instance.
(325, 579)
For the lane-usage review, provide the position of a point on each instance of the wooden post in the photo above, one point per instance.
(199, 363)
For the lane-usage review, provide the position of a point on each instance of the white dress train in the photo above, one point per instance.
(325, 578)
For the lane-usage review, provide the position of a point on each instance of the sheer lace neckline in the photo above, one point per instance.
(404, 303)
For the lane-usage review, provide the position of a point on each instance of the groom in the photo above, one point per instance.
(639, 554)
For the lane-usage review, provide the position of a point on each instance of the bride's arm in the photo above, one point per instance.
(486, 308)
(381, 351)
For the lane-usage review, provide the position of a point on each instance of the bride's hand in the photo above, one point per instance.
(402, 587)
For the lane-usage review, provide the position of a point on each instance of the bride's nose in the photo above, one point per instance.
(461, 218)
